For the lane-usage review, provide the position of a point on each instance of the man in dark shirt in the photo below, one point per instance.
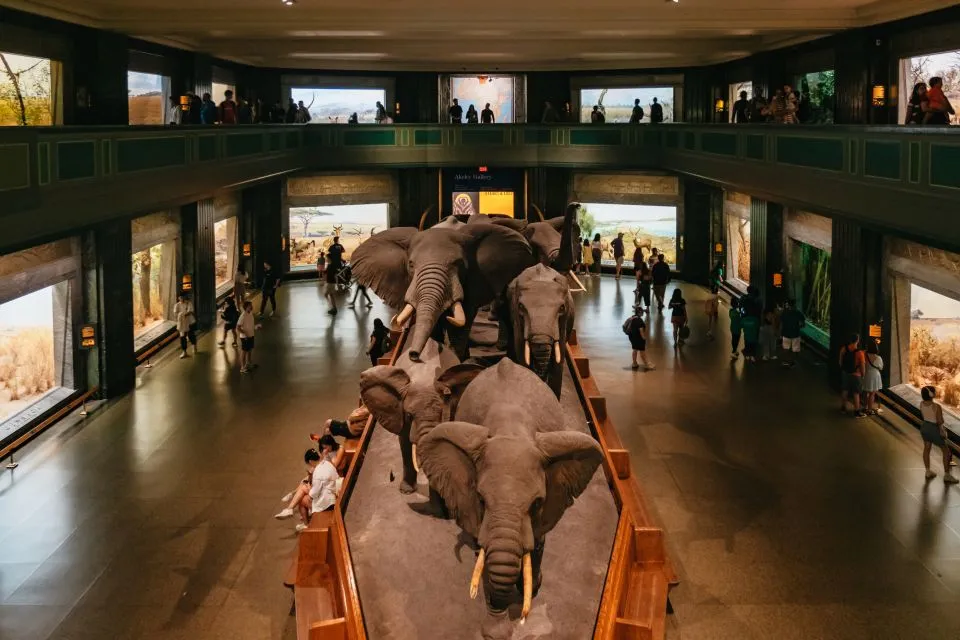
(456, 112)
(618, 252)
(656, 112)
(336, 253)
(792, 322)
(637, 114)
(330, 288)
(486, 116)
(661, 278)
(268, 291)
(741, 109)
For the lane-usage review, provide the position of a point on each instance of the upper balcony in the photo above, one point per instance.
(902, 179)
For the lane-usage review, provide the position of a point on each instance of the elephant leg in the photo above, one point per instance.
(438, 504)
(409, 482)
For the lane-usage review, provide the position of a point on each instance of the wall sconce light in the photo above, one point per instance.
(185, 103)
(396, 109)
(879, 95)
(719, 106)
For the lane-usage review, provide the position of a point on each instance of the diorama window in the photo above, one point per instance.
(617, 103)
(647, 227)
(225, 252)
(30, 91)
(736, 217)
(498, 91)
(148, 98)
(945, 65)
(154, 291)
(312, 229)
(336, 105)
(816, 92)
(809, 287)
(734, 94)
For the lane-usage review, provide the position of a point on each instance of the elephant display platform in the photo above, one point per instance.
(414, 568)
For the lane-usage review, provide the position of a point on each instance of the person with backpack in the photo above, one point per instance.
(768, 336)
(268, 292)
(637, 115)
(228, 109)
(750, 324)
(852, 369)
(230, 316)
(661, 278)
(934, 432)
(678, 318)
(636, 331)
(656, 112)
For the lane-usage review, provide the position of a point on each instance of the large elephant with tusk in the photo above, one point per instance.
(507, 471)
(440, 277)
(554, 241)
(541, 320)
(411, 398)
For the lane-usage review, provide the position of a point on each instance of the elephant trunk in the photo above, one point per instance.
(504, 556)
(431, 299)
(541, 355)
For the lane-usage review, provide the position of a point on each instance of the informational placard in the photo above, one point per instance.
(88, 337)
(876, 331)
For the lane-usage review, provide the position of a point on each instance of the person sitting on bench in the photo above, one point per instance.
(317, 492)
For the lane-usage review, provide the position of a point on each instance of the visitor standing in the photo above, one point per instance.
(741, 109)
(302, 115)
(354, 118)
(322, 265)
(291, 115)
(228, 109)
(934, 432)
(268, 290)
(472, 116)
(596, 116)
(637, 255)
(174, 112)
(486, 116)
(230, 315)
(918, 105)
(792, 322)
(656, 112)
(336, 252)
(356, 294)
(379, 342)
(637, 114)
(246, 328)
(652, 260)
(330, 291)
(209, 114)
(618, 252)
(644, 284)
(587, 257)
(768, 337)
(381, 114)
(793, 105)
(578, 257)
(661, 278)
(852, 368)
(186, 323)
(193, 115)
(712, 306)
(636, 331)
(455, 112)
(678, 316)
(596, 252)
(750, 324)
(244, 112)
(939, 108)
(736, 327)
(872, 382)
(240, 286)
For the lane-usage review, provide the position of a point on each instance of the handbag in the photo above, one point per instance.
(684, 332)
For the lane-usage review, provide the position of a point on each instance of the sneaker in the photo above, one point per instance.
(245, 370)
(651, 367)
(931, 474)
(332, 312)
(950, 479)
(634, 366)
(222, 342)
(860, 414)
(300, 527)
(183, 355)
(287, 498)
(350, 306)
(369, 305)
(283, 515)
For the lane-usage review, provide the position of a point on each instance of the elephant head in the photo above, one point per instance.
(553, 241)
(542, 315)
(508, 491)
(444, 273)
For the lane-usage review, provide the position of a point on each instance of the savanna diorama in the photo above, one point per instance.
(648, 227)
(738, 248)
(149, 306)
(25, 91)
(935, 344)
(312, 229)
(27, 368)
(225, 250)
(145, 98)
(617, 103)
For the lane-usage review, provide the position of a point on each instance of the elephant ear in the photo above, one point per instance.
(382, 388)
(500, 255)
(570, 460)
(510, 223)
(448, 455)
(453, 382)
(381, 264)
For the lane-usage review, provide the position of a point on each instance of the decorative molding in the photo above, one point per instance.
(625, 186)
(372, 185)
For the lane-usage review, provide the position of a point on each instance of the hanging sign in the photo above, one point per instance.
(88, 337)
(186, 283)
(778, 280)
(246, 249)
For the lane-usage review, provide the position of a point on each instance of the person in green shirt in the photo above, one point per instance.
(750, 324)
(736, 327)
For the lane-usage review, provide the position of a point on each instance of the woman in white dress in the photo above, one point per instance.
(871, 381)
(186, 324)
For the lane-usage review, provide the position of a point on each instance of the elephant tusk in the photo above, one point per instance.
(477, 573)
(556, 352)
(401, 318)
(526, 352)
(458, 319)
(527, 587)
(416, 465)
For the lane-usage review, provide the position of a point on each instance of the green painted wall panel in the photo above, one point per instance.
(882, 160)
(673, 139)
(150, 153)
(914, 162)
(293, 140)
(596, 137)
(724, 144)
(944, 161)
(652, 137)
(244, 144)
(756, 145)
(817, 153)
(536, 136)
(377, 138)
(690, 141)
(207, 148)
(427, 137)
(76, 160)
(482, 136)
(43, 162)
(14, 166)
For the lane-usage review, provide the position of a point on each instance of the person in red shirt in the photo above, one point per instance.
(939, 107)
(853, 365)
(228, 109)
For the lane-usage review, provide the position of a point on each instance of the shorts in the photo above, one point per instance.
(246, 344)
(638, 345)
(659, 290)
(713, 307)
(791, 344)
(230, 326)
(930, 432)
(679, 321)
(619, 260)
(330, 288)
(851, 383)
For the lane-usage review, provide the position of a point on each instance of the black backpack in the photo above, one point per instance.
(628, 324)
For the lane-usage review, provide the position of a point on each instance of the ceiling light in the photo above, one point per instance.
(346, 55)
(289, 3)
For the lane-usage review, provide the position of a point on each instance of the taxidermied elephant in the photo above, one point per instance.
(553, 241)
(411, 398)
(508, 471)
(451, 269)
(541, 319)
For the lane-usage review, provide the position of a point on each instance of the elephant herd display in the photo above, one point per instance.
(491, 441)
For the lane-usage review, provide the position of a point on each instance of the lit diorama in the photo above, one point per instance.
(736, 212)
(28, 90)
(154, 280)
(644, 226)
(617, 103)
(335, 105)
(312, 229)
(945, 65)
(225, 252)
(478, 91)
(810, 287)
(148, 97)
(816, 92)
(935, 345)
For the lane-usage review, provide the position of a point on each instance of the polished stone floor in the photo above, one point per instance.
(152, 518)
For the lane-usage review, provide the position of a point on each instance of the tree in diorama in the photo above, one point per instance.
(24, 94)
(145, 263)
(587, 222)
(305, 217)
